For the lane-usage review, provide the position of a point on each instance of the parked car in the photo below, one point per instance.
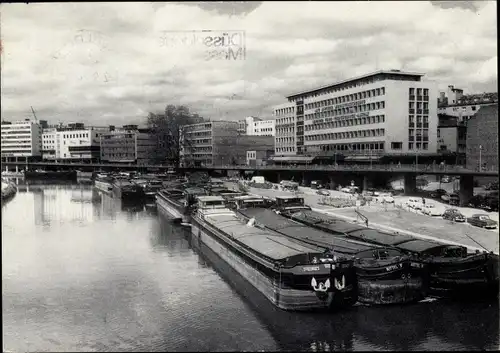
(316, 184)
(454, 199)
(323, 192)
(490, 203)
(446, 179)
(453, 214)
(386, 197)
(431, 210)
(415, 203)
(482, 221)
(476, 201)
(436, 194)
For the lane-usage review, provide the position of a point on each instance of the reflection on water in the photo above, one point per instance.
(84, 272)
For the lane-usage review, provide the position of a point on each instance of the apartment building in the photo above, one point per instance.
(385, 113)
(452, 138)
(21, 139)
(209, 143)
(254, 126)
(129, 144)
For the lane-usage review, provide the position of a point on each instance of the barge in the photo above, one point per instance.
(104, 182)
(290, 274)
(452, 271)
(385, 275)
(178, 204)
(149, 186)
(127, 191)
(42, 174)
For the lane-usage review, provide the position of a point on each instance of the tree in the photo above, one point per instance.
(165, 129)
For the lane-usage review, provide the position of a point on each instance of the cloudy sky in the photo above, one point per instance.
(105, 63)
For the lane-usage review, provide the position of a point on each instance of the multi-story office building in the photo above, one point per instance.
(128, 145)
(21, 139)
(482, 138)
(464, 107)
(72, 142)
(254, 126)
(209, 143)
(386, 113)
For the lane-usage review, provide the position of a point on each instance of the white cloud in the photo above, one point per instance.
(110, 63)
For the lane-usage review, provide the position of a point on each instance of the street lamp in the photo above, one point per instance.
(480, 151)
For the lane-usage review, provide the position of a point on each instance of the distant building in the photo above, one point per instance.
(254, 126)
(482, 138)
(465, 107)
(261, 148)
(385, 113)
(127, 145)
(451, 138)
(21, 139)
(73, 141)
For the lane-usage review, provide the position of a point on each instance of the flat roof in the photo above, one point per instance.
(210, 198)
(372, 74)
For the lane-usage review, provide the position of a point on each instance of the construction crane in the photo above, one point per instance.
(34, 113)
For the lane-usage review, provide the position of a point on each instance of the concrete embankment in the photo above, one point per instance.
(397, 218)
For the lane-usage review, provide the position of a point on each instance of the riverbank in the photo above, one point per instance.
(398, 218)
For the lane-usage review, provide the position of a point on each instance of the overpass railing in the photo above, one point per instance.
(389, 168)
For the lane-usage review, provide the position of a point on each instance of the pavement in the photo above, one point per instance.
(399, 218)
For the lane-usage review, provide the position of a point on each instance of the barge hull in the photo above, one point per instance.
(170, 211)
(286, 299)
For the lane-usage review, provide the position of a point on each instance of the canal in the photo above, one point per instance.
(82, 272)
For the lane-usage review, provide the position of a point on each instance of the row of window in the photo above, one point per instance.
(285, 131)
(284, 111)
(16, 133)
(346, 135)
(285, 149)
(376, 92)
(420, 92)
(351, 122)
(373, 146)
(348, 110)
(197, 127)
(197, 149)
(285, 121)
(418, 145)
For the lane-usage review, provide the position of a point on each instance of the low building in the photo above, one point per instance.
(21, 140)
(127, 145)
(482, 139)
(465, 107)
(254, 126)
(257, 158)
(262, 147)
(451, 139)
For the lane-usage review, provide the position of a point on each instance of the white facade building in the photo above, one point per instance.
(66, 144)
(254, 126)
(21, 139)
(382, 113)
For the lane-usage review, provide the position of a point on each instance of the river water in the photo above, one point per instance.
(82, 272)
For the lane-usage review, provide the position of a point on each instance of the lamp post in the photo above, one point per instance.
(371, 162)
(480, 152)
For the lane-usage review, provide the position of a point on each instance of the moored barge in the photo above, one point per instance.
(104, 182)
(291, 274)
(127, 191)
(384, 275)
(452, 271)
(42, 174)
(178, 204)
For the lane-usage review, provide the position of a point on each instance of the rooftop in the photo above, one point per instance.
(210, 198)
(358, 78)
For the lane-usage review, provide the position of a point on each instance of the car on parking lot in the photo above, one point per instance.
(482, 221)
(386, 197)
(436, 194)
(323, 192)
(454, 199)
(453, 214)
(415, 203)
(431, 210)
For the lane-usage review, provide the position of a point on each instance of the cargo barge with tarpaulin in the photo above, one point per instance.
(104, 182)
(384, 274)
(452, 271)
(127, 191)
(291, 274)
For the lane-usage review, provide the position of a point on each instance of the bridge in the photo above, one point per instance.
(361, 173)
